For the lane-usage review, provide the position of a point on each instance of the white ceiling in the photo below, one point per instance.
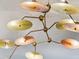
(10, 10)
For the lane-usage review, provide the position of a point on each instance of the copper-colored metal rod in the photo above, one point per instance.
(47, 42)
(34, 1)
(28, 17)
(49, 39)
(66, 1)
(35, 48)
(42, 42)
(47, 35)
(43, 25)
(52, 25)
(34, 31)
(69, 14)
(56, 42)
(71, 18)
(45, 19)
(13, 52)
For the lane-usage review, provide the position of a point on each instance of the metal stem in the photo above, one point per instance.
(47, 35)
(56, 42)
(45, 19)
(71, 18)
(34, 31)
(28, 17)
(66, 2)
(52, 25)
(44, 25)
(34, 1)
(41, 42)
(35, 48)
(13, 52)
(69, 14)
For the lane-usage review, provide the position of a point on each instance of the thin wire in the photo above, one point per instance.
(69, 14)
(41, 42)
(28, 17)
(34, 31)
(45, 19)
(52, 25)
(13, 52)
(47, 35)
(56, 42)
(48, 1)
(35, 48)
(71, 18)
(34, 1)
(65, 1)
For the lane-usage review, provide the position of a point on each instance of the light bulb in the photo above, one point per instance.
(33, 55)
(70, 43)
(63, 0)
(34, 6)
(25, 40)
(19, 25)
(65, 8)
(61, 23)
(6, 46)
(72, 27)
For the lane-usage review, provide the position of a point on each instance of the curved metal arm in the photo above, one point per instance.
(71, 18)
(65, 1)
(47, 42)
(56, 42)
(13, 52)
(48, 36)
(52, 25)
(69, 14)
(34, 1)
(34, 31)
(28, 17)
(45, 19)
(41, 42)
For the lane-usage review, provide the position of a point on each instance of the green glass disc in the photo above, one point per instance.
(19, 25)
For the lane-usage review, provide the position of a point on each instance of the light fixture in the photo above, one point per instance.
(33, 55)
(24, 24)
(70, 43)
(25, 40)
(6, 43)
(19, 25)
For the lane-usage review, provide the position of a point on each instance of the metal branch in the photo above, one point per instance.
(69, 14)
(13, 52)
(49, 39)
(47, 35)
(52, 25)
(47, 42)
(44, 25)
(48, 1)
(34, 1)
(56, 42)
(34, 31)
(35, 48)
(65, 1)
(45, 19)
(71, 18)
(28, 17)
(41, 42)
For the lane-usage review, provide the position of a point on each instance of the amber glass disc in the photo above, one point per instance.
(70, 43)
(34, 6)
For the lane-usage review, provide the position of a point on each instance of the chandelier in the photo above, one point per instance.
(27, 39)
